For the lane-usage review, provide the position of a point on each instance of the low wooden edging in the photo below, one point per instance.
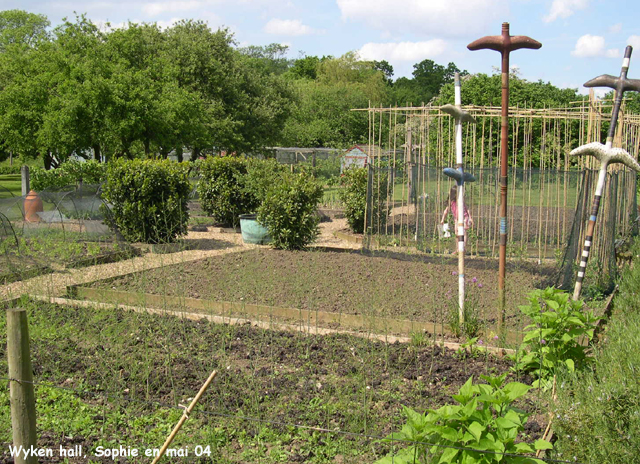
(348, 237)
(267, 325)
(305, 320)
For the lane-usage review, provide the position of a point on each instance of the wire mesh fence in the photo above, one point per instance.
(54, 228)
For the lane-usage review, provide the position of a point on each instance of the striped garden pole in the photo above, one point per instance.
(605, 154)
(460, 177)
(504, 44)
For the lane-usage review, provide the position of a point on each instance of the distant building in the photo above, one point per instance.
(355, 156)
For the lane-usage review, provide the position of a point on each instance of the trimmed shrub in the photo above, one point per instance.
(261, 176)
(7, 170)
(353, 196)
(222, 191)
(289, 211)
(69, 174)
(148, 199)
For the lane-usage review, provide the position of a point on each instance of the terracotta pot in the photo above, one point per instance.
(32, 206)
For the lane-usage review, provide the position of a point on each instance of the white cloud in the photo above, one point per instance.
(403, 51)
(448, 18)
(564, 9)
(158, 8)
(634, 41)
(292, 27)
(616, 28)
(589, 46)
(167, 24)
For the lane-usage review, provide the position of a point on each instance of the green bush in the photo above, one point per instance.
(222, 191)
(353, 196)
(148, 199)
(557, 336)
(261, 176)
(597, 412)
(289, 211)
(69, 174)
(482, 428)
(4, 170)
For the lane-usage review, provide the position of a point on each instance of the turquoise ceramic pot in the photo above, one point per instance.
(252, 232)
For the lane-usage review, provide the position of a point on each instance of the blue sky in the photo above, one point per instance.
(580, 38)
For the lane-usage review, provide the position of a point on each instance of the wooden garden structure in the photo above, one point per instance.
(547, 188)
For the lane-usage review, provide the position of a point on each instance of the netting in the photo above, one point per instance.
(617, 220)
(541, 209)
(55, 228)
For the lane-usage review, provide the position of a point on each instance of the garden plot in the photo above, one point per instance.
(26, 255)
(387, 293)
(111, 377)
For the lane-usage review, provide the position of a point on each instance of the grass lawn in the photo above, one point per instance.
(10, 185)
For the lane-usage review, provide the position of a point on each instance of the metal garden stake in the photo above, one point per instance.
(504, 44)
(460, 177)
(605, 153)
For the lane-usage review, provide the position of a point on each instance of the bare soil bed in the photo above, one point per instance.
(123, 375)
(415, 287)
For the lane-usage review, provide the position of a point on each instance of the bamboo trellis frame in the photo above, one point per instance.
(543, 186)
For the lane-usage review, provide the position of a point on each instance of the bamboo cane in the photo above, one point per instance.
(184, 417)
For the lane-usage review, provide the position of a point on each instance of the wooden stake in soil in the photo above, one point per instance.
(184, 417)
(21, 394)
(504, 44)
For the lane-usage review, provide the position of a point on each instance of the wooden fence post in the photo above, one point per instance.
(21, 393)
(26, 184)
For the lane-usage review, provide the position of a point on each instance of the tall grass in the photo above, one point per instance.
(598, 413)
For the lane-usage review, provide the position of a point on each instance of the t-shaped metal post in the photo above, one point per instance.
(504, 44)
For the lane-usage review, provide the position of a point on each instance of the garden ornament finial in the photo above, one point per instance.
(504, 44)
(460, 177)
(605, 154)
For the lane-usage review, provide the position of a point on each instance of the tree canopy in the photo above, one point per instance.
(144, 91)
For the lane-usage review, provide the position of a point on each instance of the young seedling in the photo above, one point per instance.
(606, 154)
(504, 44)
(460, 177)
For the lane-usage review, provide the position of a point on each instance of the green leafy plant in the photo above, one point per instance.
(260, 177)
(597, 412)
(289, 211)
(148, 199)
(353, 195)
(473, 324)
(481, 428)
(222, 189)
(557, 335)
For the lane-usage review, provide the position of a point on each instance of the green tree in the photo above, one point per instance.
(19, 27)
(322, 116)
(305, 68)
(429, 77)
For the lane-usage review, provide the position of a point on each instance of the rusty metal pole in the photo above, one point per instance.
(606, 154)
(504, 44)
